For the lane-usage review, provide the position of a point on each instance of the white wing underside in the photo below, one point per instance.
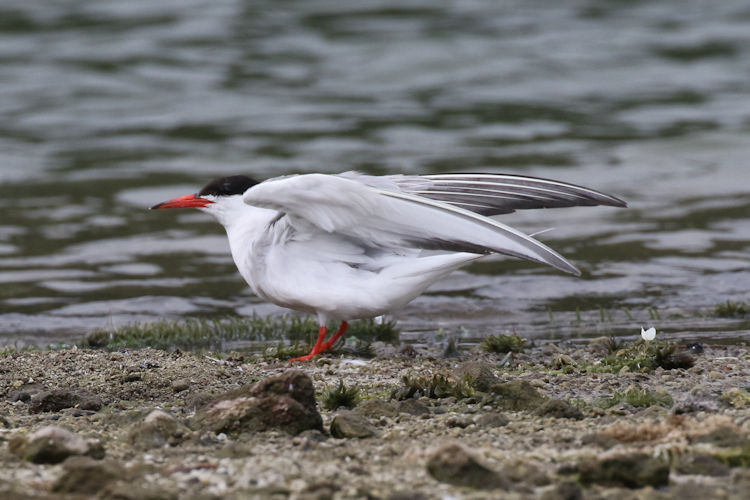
(389, 213)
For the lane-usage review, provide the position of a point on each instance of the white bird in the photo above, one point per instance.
(354, 246)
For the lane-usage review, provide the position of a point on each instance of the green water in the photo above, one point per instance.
(109, 107)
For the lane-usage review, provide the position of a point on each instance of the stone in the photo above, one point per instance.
(407, 495)
(725, 435)
(348, 424)
(558, 408)
(180, 385)
(562, 360)
(86, 476)
(122, 490)
(58, 399)
(285, 402)
(705, 465)
(453, 464)
(412, 407)
(517, 395)
(566, 490)
(24, 393)
(461, 421)
(52, 444)
(478, 374)
(635, 470)
(492, 419)
(376, 408)
(524, 471)
(599, 439)
(158, 429)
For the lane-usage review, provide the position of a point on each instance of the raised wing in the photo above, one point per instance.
(393, 219)
(493, 194)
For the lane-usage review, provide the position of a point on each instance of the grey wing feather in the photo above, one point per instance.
(493, 194)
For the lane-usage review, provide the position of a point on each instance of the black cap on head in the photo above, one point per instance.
(228, 186)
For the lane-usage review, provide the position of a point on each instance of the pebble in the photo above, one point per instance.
(516, 395)
(86, 476)
(635, 470)
(58, 399)
(376, 408)
(491, 419)
(479, 374)
(159, 428)
(285, 402)
(558, 408)
(348, 424)
(52, 444)
(452, 463)
(412, 407)
(180, 385)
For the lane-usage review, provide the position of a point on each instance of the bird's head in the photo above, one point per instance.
(220, 197)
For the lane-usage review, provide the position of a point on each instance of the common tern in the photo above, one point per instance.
(352, 246)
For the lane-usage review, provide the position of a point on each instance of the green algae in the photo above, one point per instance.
(503, 344)
(338, 396)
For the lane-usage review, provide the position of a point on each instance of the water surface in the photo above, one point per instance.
(110, 107)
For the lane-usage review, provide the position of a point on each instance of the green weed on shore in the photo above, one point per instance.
(215, 334)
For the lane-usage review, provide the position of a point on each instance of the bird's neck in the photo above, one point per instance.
(246, 231)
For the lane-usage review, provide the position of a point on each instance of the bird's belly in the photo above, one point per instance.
(338, 292)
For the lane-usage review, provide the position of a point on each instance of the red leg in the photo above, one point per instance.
(336, 336)
(321, 345)
(317, 348)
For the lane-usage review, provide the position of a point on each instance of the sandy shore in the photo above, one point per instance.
(540, 424)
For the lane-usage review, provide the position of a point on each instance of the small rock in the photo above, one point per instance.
(453, 464)
(492, 420)
(462, 421)
(76, 412)
(412, 407)
(736, 398)
(24, 393)
(705, 465)
(376, 408)
(308, 440)
(348, 424)
(558, 408)
(86, 476)
(567, 490)
(561, 360)
(126, 490)
(180, 385)
(407, 495)
(59, 399)
(523, 471)
(695, 490)
(695, 405)
(479, 374)
(285, 402)
(320, 490)
(726, 435)
(159, 428)
(631, 471)
(599, 439)
(516, 396)
(52, 444)
(130, 377)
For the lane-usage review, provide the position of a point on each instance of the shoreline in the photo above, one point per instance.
(548, 425)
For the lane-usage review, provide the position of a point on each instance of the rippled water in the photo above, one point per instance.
(109, 107)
